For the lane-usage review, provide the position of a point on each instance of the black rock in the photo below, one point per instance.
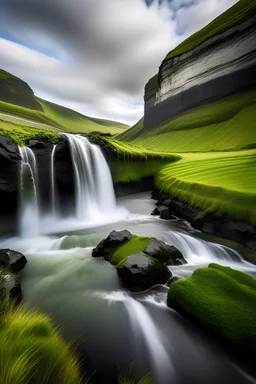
(139, 272)
(155, 212)
(12, 260)
(107, 247)
(164, 253)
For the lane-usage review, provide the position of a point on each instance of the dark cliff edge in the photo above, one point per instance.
(221, 66)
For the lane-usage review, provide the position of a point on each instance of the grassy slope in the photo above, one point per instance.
(72, 121)
(215, 182)
(223, 301)
(133, 163)
(225, 124)
(56, 117)
(241, 11)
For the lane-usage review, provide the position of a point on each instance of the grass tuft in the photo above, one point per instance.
(32, 351)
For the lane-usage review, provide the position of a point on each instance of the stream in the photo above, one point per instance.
(114, 328)
(110, 327)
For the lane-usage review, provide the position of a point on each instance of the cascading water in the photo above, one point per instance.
(143, 326)
(53, 184)
(29, 206)
(94, 193)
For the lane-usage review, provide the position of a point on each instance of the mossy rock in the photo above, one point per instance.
(223, 300)
(139, 272)
(141, 261)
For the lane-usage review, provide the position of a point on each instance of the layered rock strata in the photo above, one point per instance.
(223, 65)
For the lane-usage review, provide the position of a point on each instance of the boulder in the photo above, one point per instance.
(107, 247)
(165, 253)
(163, 212)
(12, 260)
(139, 272)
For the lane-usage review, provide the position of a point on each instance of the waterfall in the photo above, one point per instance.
(94, 193)
(53, 183)
(29, 209)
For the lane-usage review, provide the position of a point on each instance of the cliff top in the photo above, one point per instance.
(241, 11)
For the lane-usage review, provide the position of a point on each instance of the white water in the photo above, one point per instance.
(29, 205)
(143, 326)
(93, 183)
(53, 184)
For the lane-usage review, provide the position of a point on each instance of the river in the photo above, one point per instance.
(111, 327)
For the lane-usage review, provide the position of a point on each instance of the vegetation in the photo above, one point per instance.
(241, 11)
(128, 152)
(32, 351)
(135, 245)
(215, 182)
(20, 134)
(225, 124)
(134, 163)
(223, 301)
(72, 121)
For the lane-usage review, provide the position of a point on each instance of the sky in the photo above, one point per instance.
(95, 56)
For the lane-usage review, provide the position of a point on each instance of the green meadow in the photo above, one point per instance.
(226, 124)
(215, 182)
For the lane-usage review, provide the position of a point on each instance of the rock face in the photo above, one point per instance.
(221, 66)
(9, 180)
(15, 91)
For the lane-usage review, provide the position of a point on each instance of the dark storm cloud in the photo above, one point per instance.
(103, 51)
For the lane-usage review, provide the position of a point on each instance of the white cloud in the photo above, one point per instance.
(106, 49)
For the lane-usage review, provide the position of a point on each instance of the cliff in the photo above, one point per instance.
(214, 63)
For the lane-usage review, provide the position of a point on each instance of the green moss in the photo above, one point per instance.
(32, 351)
(21, 134)
(241, 11)
(135, 245)
(223, 301)
(225, 124)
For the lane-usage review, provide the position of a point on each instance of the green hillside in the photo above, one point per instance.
(215, 182)
(226, 124)
(19, 107)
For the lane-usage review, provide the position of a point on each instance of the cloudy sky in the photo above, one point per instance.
(95, 56)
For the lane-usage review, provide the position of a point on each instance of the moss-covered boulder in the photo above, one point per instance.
(223, 300)
(141, 261)
(107, 246)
